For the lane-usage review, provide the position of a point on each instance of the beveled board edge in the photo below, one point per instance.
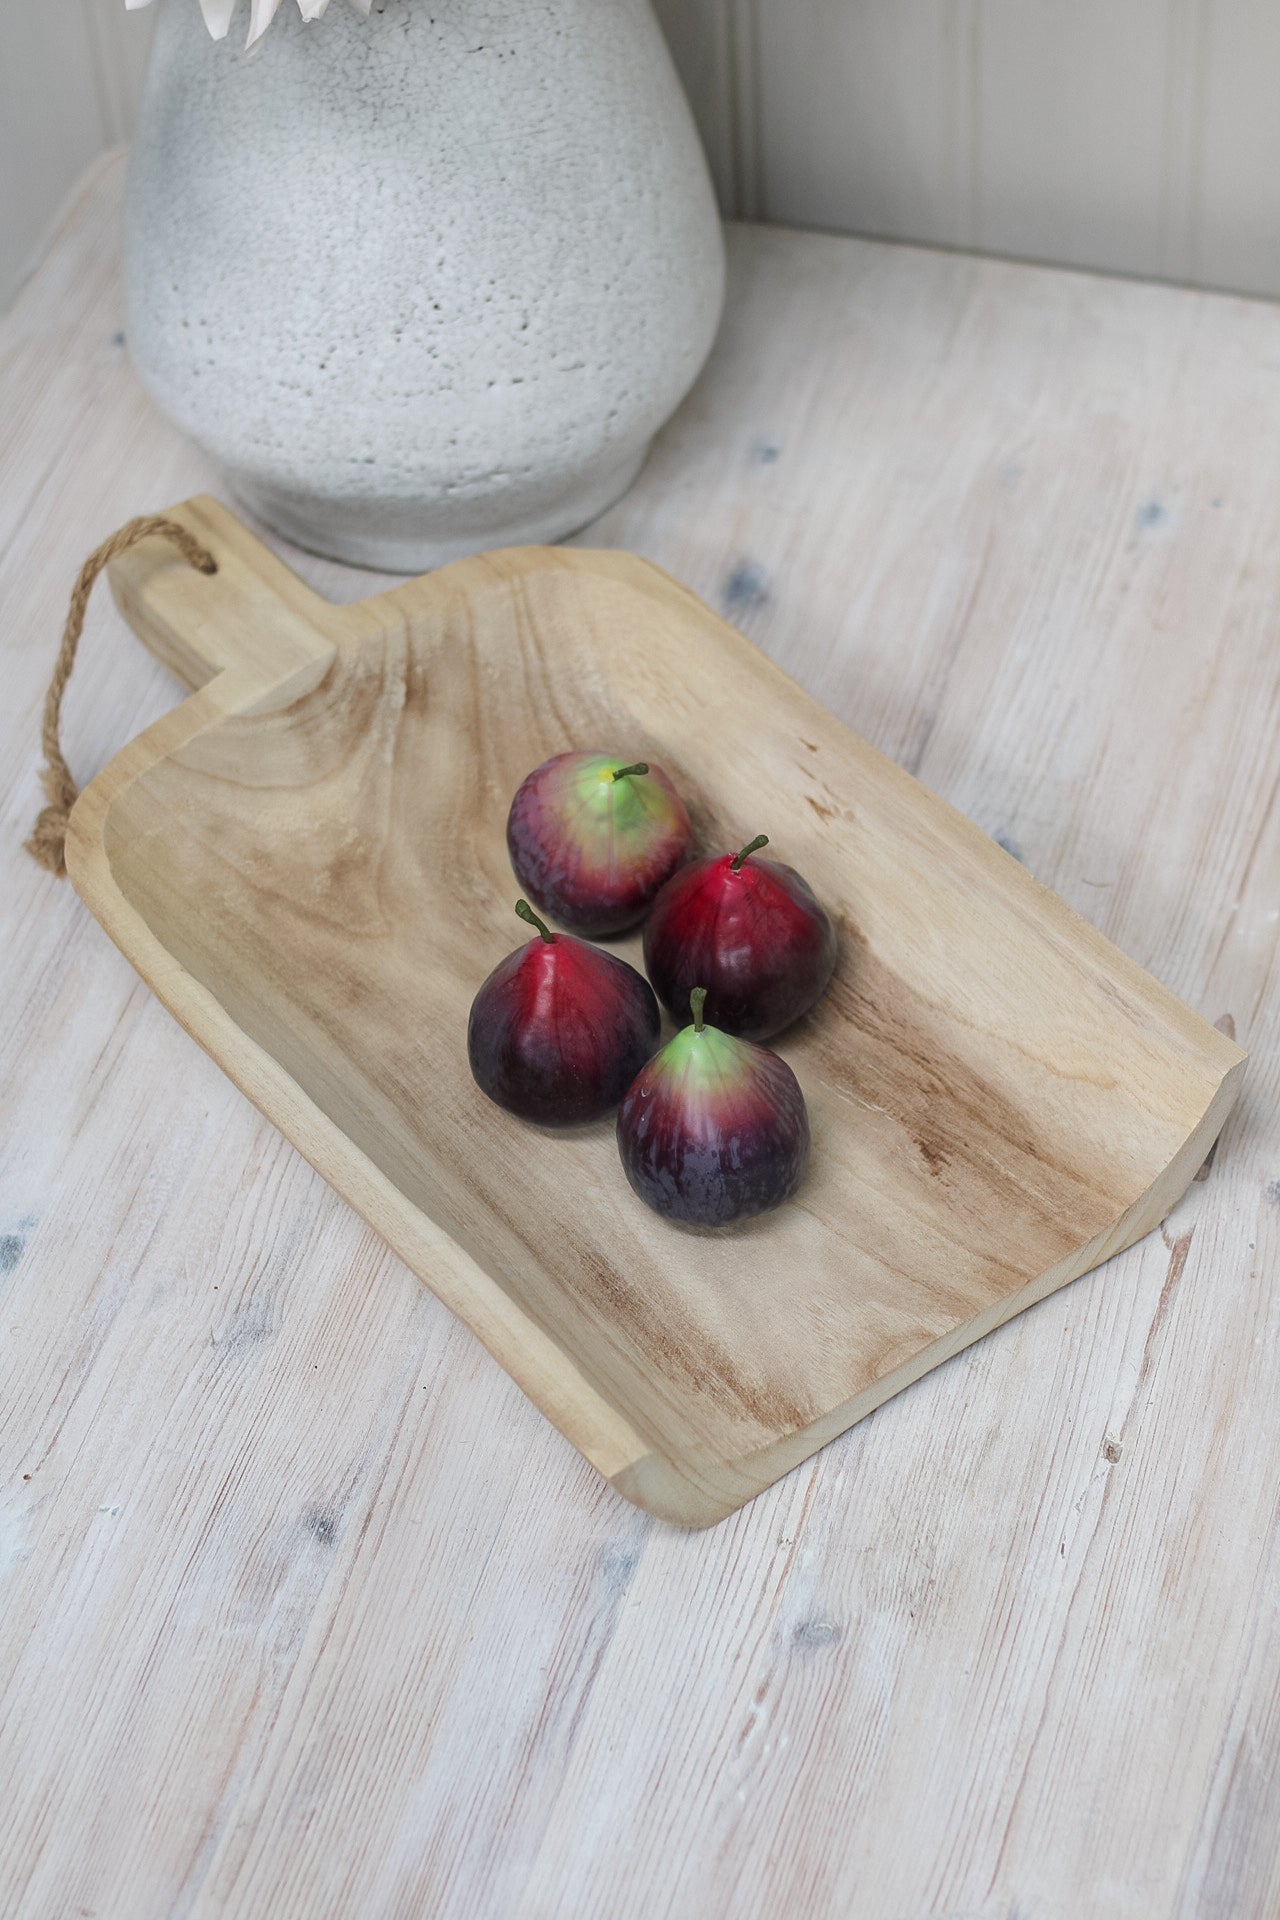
(660, 1486)
(538, 1365)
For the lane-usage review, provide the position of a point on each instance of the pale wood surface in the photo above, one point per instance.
(283, 1639)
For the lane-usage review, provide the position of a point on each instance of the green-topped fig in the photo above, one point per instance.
(713, 1129)
(593, 836)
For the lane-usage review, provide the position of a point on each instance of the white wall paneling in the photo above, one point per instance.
(699, 33)
(70, 76)
(1236, 231)
(120, 42)
(865, 115)
(1141, 136)
(1079, 128)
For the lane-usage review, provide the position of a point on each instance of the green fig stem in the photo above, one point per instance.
(526, 912)
(697, 1001)
(641, 766)
(752, 846)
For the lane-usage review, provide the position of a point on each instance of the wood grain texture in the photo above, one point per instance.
(307, 861)
(271, 1645)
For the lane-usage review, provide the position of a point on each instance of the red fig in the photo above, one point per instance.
(751, 932)
(592, 839)
(713, 1129)
(559, 1030)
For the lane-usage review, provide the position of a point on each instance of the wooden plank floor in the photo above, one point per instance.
(304, 1611)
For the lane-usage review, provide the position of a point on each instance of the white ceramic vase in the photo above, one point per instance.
(427, 282)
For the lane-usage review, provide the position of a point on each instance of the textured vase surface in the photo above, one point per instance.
(423, 283)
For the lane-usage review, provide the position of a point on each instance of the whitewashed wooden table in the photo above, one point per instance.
(305, 1611)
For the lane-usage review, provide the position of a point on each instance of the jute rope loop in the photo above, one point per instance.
(49, 836)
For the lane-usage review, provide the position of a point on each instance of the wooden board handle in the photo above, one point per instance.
(254, 615)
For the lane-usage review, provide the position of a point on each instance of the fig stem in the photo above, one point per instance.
(526, 912)
(752, 846)
(641, 766)
(698, 1000)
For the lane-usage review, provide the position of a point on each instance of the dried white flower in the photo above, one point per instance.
(217, 13)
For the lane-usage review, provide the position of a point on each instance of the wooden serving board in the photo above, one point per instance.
(306, 860)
